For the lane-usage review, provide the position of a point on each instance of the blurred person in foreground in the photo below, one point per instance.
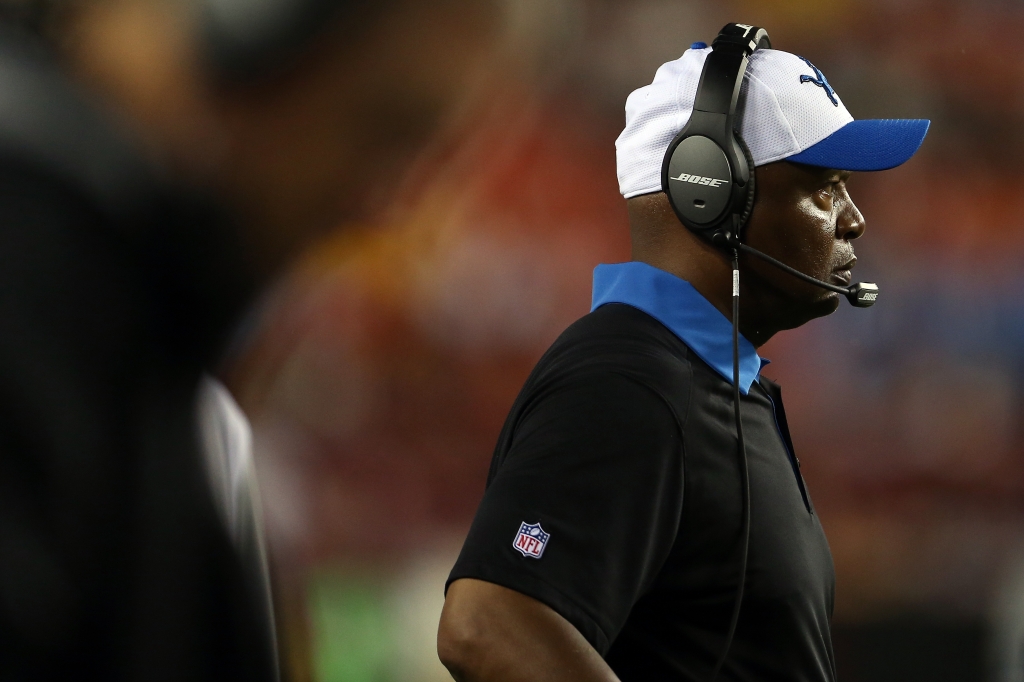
(608, 542)
(160, 162)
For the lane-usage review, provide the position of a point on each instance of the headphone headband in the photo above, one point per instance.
(719, 87)
(747, 38)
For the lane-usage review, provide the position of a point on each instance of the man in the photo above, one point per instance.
(128, 543)
(608, 544)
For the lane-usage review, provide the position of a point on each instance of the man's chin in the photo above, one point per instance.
(826, 305)
(821, 306)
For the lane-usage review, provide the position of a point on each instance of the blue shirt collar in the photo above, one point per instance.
(677, 305)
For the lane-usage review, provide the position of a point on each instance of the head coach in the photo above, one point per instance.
(645, 517)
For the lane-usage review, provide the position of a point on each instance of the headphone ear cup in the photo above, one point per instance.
(697, 177)
(751, 188)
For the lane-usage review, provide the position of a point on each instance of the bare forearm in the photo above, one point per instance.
(489, 633)
(533, 661)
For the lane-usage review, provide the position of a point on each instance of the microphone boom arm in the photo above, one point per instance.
(860, 295)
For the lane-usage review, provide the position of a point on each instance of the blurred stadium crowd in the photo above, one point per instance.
(378, 371)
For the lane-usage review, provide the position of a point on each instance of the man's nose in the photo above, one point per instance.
(850, 224)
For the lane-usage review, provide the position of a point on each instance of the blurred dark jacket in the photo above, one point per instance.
(116, 293)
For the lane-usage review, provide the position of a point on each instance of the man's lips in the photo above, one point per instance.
(842, 277)
(842, 274)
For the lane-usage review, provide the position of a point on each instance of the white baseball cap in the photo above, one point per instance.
(787, 110)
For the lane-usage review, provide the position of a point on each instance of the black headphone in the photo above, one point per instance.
(708, 172)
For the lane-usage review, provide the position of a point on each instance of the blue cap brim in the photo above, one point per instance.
(869, 145)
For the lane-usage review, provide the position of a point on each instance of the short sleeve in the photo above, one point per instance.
(585, 506)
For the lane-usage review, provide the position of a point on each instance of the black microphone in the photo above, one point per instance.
(860, 295)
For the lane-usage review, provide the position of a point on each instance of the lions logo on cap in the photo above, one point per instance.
(820, 81)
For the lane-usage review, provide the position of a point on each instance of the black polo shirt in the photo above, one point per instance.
(614, 495)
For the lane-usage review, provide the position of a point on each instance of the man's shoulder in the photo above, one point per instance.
(620, 329)
(616, 339)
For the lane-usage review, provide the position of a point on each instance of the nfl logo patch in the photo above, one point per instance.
(531, 540)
